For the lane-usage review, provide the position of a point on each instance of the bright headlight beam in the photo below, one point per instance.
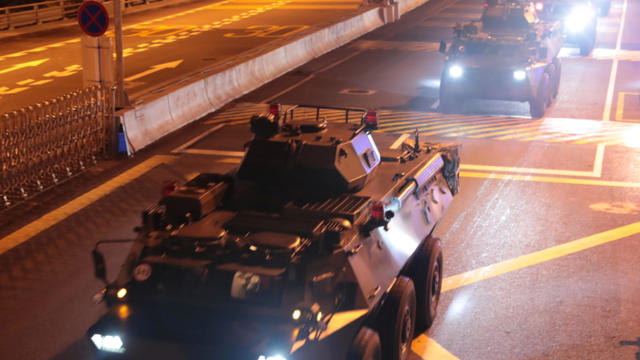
(579, 18)
(455, 71)
(272, 357)
(110, 343)
(519, 75)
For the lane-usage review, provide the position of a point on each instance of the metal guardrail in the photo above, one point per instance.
(48, 142)
(19, 16)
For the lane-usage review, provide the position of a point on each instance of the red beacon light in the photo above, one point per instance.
(169, 187)
(377, 211)
(274, 109)
(371, 119)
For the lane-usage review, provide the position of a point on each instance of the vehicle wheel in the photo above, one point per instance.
(537, 104)
(398, 320)
(427, 277)
(556, 80)
(447, 101)
(586, 46)
(366, 346)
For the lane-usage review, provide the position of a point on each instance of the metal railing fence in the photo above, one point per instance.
(48, 142)
(18, 16)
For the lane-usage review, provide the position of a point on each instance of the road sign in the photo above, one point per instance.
(93, 18)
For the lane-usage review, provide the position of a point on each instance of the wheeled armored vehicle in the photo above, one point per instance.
(319, 246)
(578, 18)
(508, 55)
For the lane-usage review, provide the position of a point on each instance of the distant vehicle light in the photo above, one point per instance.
(124, 312)
(296, 314)
(272, 357)
(519, 75)
(455, 71)
(110, 343)
(539, 6)
(579, 18)
(121, 293)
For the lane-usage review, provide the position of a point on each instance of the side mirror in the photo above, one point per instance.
(543, 52)
(99, 266)
(443, 47)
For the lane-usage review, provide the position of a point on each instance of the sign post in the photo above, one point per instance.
(97, 50)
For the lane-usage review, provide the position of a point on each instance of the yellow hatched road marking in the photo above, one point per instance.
(538, 257)
(439, 124)
(510, 130)
(53, 217)
(527, 170)
(549, 179)
(486, 126)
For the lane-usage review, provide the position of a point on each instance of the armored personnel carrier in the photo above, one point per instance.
(508, 55)
(578, 18)
(319, 246)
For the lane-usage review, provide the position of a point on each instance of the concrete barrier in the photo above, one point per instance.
(176, 106)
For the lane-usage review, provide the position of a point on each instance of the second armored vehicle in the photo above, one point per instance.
(508, 55)
(320, 246)
(578, 19)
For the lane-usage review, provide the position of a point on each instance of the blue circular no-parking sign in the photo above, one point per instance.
(93, 18)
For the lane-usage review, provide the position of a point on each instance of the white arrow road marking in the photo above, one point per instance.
(155, 68)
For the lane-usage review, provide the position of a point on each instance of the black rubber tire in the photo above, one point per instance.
(365, 346)
(537, 104)
(447, 101)
(556, 80)
(426, 271)
(586, 46)
(398, 320)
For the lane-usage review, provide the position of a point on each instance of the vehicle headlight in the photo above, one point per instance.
(455, 71)
(110, 343)
(272, 357)
(579, 18)
(519, 75)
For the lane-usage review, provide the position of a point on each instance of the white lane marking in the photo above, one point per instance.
(195, 139)
(399, 142)
(213, 152)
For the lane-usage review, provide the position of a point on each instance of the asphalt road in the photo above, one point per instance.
(540, 246)
(160, 46)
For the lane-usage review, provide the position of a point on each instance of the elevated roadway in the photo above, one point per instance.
(540, 245)
(160, 46)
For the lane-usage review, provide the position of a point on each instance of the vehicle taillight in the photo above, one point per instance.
(169, 187)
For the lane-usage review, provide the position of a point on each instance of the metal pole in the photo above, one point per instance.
(122, 100)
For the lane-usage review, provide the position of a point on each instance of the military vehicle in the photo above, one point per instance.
(507, 55)
(579, 20)
(319, 246)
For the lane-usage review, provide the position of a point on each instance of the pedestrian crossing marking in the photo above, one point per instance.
(499, 128)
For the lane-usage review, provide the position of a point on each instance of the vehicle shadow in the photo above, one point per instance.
(632, 343)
